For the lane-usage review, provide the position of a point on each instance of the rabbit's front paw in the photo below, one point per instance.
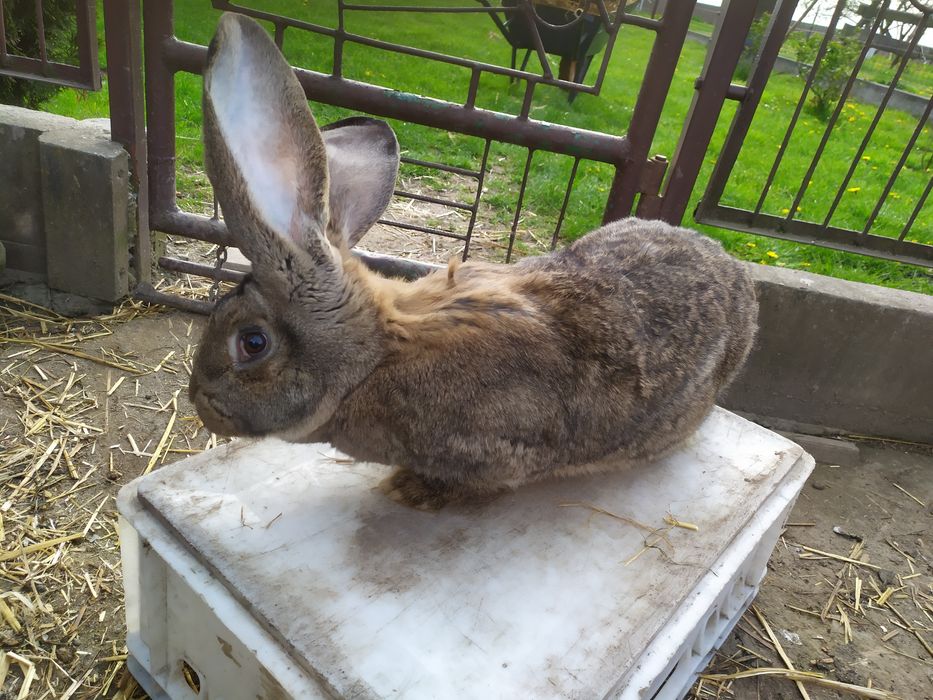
(415, 491)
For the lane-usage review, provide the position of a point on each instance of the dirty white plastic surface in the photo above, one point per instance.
(276, 570)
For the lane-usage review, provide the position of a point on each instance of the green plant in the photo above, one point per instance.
(833, 70)
(22, 38)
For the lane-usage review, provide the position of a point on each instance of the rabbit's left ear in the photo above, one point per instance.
(362, 161)
(264, 153)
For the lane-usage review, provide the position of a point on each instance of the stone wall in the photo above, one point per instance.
(839, 357)
(64, 204)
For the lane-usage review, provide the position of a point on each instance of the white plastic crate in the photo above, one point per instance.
(270, 570)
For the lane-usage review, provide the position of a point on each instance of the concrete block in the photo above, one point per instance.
(25, 258)
(852, 357)
(21, 218)
(85, 192)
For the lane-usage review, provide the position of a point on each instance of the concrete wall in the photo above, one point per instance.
(844, 356)
(64, 193)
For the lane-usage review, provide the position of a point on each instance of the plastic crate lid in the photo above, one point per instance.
(520, 597)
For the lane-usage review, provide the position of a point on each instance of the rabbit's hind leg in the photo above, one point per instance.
(425, 493)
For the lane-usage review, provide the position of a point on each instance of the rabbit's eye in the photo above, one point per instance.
(252, 344)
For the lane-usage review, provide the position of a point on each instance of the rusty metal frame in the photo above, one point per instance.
(789, 226)
(166, 55)
(85, 75)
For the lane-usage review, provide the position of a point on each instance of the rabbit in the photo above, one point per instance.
(472, 380)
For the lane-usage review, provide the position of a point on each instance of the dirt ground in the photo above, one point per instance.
(90, 404)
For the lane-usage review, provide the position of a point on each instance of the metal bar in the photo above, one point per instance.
(563, 206)
(189, 225)
(385, 264)
(727, 44)
(461, 62)
(889, 185)
(434, 200)
(275, 19)
(40, 33)
(530, 18)
(147, 293)
(643, 22)
(223, 274)
(613, 30)
(440, 166)
(431, 10)
(123, 35)
(473, 88)
(656, 83)
(2, 37)
(888, 248)
(820, 52)
(476, 199)
(392, 104)
(85, 12)
(54, 73)
(341, 36)
(742, 121)
(391, 266)
(423, 229)
(158, 27)
(902, 64)
(913, 215)
(518, 205)
(827, 132)
(527, 101)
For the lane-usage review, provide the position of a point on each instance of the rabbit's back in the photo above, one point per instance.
(614, 347)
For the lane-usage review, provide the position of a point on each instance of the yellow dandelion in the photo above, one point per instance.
(771, 254)
(752, 245)
(851, 119)
(895, 195)
(866, 157)
(804, 264)
(854, 189)
(785, 210)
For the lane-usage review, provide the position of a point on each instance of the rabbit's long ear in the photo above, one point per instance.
(362, 156)
(264, 153)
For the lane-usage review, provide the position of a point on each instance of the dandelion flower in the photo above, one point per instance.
(853, 189)
(771, 254)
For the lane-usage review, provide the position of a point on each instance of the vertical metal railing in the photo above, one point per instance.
(778, 209)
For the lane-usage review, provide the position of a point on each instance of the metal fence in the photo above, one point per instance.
(142, 88)
(860, 213)
(86, 74)
(636, 179)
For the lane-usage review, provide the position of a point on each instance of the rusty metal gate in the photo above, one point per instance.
(873, 222)
(143, 119)
(86, 74)
(637, 177)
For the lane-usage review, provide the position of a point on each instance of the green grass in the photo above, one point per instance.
(476, 37)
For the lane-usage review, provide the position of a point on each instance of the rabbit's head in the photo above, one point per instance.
(281, 349)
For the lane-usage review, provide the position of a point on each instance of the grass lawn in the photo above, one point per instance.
(475, 36)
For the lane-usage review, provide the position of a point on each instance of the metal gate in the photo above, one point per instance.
(856, 213)
(42, 68)
(634, 186)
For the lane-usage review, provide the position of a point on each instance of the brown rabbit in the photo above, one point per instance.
(470, 380)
